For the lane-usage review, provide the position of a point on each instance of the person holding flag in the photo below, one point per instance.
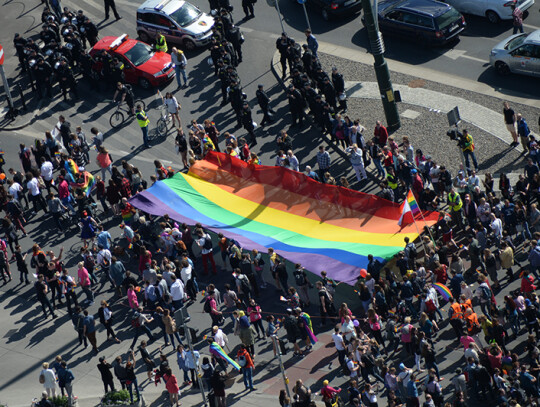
(409, 209)
(219, 354)
(246, 362)
(306, 328)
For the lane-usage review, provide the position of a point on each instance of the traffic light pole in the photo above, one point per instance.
(381, 68)
(275, 341)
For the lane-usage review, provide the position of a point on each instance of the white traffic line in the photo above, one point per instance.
(457, 53)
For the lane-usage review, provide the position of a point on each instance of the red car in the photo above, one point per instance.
(142, 64)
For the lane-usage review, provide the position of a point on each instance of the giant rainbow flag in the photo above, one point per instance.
(323, 227)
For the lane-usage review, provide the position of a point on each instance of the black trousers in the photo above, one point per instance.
(46, 304)
(110, 3)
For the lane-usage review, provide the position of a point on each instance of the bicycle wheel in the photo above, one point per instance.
(141, 102)
(116, 120)
(162, 127)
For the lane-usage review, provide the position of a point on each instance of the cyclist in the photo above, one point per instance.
(329, 394)
(126, 95)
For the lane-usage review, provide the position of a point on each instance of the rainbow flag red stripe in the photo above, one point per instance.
(412, 203)
(443, 290)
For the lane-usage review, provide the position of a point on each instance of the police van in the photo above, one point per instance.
(180, 22)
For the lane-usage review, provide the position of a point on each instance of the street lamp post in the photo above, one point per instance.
(303, 3)
(381, 68)
(181, 318)
(275, 4)
(275, 341)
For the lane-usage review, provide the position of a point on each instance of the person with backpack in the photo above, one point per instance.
(303, 284)
(139, 323)
(205, 243)
(473, 326)
(484, 294)
(326, 303)
(410, 252)
(246, 363)
(210, 307)
(282, 275)
(65, 381)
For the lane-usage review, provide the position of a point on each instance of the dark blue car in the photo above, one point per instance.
(427, 22)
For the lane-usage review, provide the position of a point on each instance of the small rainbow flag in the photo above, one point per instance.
(443, 290)
(392, 312)
(218, 351)
(138, 289)
(307, 324)
(412, 203)
(282, 298)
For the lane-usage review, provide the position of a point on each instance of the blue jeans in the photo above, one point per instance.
(180, 71)
(380, 169)
(177, 336)
(145, 136)
(89, 293)
(468, 154)
(66, 202)
(248, 377)
(130, 389)
(518, 28)
(138, 332)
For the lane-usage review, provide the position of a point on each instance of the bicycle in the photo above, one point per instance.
(118, 117)
(163, 121)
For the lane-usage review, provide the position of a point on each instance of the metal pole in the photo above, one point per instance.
(275, 340)
(279, 16)
(6, 86)
(187, 334)
(305, 12)
(23, 101)
(381, 68)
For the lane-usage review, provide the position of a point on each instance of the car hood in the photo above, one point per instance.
(158, 62)
(201, 25)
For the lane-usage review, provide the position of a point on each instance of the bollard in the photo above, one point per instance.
(23, 101)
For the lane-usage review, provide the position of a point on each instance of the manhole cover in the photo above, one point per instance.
(417, 83)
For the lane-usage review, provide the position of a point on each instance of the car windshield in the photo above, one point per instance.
(139, 53)
(450, 17)
(516, 42)
(186, 14)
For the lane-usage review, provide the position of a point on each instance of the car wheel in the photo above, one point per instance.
(492, 17)
(502, 68)
(325, 14)
(188, 45)
(144, 37)
(145, 83)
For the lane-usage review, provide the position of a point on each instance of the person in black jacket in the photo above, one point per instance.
(43, 73)
(20, 43)
(264, 103)
(339, 86)
(104, 368)
(66, 79)
(247, 122)
(236, 99)
(296, 105)
(90, 31)
(282, 44)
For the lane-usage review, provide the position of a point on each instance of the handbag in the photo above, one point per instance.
(42, 378)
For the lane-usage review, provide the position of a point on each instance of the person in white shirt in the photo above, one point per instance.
(180, 62)
(173, 108)
(347, 328)
(177, 292)
(496, 227)
(295, 164)
(47, 174)
(219, 336)
(35, 193)
(352, 365)
(340, 345)
(15, 189)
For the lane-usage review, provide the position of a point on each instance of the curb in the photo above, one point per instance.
(37, 111)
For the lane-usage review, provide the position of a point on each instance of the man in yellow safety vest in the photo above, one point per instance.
(161, 42)
(143, 121)
(455, 203)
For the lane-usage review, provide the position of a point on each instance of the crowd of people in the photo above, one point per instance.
(389, 335)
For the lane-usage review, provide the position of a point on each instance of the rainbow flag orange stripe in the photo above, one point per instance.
(443, 290)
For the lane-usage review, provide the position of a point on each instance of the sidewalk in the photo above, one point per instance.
(425, 102)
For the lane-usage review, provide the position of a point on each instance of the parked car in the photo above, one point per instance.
(427, 22)
(142, 65)
(181, 23)
(493, 10)
(518, 53)
(335, 8)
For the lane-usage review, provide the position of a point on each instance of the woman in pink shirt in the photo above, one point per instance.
(104, 161)
(132, 297)
(84, 282)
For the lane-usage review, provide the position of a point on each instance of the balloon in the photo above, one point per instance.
(363, 273)
(356, 323)
(2, 176)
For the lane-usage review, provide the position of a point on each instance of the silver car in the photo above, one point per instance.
(519, 53)
(493, 10)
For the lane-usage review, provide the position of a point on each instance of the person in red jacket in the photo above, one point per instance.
(527, 285)
(246, 363)
(328, 393)
(381, 134)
